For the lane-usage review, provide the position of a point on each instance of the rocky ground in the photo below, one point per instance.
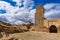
(35, 36)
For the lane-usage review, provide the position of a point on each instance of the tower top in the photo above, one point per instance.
(40, 7)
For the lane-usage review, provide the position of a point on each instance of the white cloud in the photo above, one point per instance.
(16, 15)
(32, 15)
(52, 10)
(18, 2)
(4, 5)
(28, 4)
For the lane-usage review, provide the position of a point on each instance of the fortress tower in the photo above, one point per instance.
(39, 17)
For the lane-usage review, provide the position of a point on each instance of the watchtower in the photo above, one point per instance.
(39, 17)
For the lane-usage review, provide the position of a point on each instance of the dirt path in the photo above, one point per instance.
(36, 36)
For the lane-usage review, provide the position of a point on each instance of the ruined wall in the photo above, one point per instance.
(54, 21)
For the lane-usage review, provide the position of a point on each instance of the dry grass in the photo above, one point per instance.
(36, 36)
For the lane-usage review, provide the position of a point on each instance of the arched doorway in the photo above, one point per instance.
(53, 29)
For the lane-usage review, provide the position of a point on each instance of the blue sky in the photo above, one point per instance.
(17, 11)
(36, 2)
(43, 2)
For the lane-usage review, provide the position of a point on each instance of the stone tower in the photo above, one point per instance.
(39, 17)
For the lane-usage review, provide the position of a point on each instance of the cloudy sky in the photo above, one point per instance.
(23, 11)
